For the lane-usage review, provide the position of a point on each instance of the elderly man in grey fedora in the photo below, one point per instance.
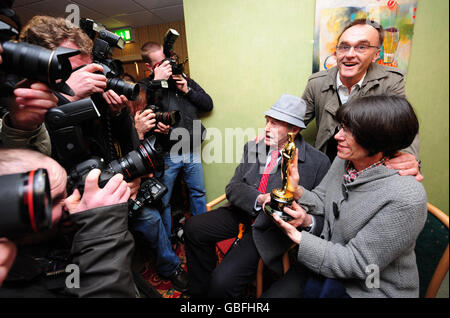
(257, 174)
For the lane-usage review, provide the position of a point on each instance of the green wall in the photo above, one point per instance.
(246, 53)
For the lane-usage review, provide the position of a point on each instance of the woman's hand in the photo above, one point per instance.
(301, 219)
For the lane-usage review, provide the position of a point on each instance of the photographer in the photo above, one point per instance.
(102, 246)
(109, 136)
(22, 127)
(186, 96)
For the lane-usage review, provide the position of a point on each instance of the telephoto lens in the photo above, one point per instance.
(148, 158)
(137, 163)
(25, 203)
(37, 63)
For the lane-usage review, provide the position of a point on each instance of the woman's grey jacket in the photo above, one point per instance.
(371, 226)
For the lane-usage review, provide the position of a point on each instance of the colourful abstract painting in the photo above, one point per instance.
(395, 16)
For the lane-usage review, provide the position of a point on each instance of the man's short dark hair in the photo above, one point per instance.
(384, 124)
(372, 23)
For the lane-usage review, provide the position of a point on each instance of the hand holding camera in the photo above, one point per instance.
(32, 102)
(115, 102)
(85, 81)
(114, 192)
(144, 121)
(163, 71)
(181, 83)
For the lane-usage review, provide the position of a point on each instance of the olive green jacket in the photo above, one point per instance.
(322, 99)
(37, 139)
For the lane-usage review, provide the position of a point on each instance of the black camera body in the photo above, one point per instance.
(32, 61)
(167, 118)
(150, 191)
(154, 99)
(65, 128)
(104, 43)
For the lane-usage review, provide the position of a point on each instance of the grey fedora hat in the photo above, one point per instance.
(290, 109)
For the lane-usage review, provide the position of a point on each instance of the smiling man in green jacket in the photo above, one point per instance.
(356, 75)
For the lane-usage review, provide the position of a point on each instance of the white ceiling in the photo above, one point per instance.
(111, 13)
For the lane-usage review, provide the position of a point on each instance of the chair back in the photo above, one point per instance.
(432, 252)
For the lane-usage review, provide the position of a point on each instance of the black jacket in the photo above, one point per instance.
(189, 105)
(101, 247)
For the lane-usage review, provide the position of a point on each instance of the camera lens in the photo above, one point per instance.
(121, 87)
(168, 118)
(38, 63)
(146, 159)
(25, 204)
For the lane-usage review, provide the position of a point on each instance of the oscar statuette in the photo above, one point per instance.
(282, 197)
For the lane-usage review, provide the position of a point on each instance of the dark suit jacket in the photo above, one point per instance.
(242, 191)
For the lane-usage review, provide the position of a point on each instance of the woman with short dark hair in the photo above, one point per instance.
(372, 215)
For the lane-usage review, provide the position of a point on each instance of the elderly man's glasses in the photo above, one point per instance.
(360, 48)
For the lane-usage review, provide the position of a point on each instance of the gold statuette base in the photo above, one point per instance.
(279, 200)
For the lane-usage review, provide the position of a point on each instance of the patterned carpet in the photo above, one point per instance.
(162, 286)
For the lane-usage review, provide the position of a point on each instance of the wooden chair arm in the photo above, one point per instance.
(214, 202)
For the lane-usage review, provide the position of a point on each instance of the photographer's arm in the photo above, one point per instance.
(198, 97)
(102, 246)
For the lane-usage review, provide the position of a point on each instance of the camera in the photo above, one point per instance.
(64, 123)
(146, 159)
(25, 203)
(169, 39)
(150, 191)
(154, 98)
(104, 43)
(32, 61)
(167, 118)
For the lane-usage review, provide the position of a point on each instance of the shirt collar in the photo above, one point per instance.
(339, 82)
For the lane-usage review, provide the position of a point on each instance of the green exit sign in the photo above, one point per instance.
(125, 33)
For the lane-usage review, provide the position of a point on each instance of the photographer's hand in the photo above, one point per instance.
(115, 191)
(144, 121)
(134, 186)
(163, 71)
(115, 102)
(85, 82)
(32, 102)
(181, 83)
(8, 252)
(162, 129)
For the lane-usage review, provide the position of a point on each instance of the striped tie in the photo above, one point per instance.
(273, 161)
